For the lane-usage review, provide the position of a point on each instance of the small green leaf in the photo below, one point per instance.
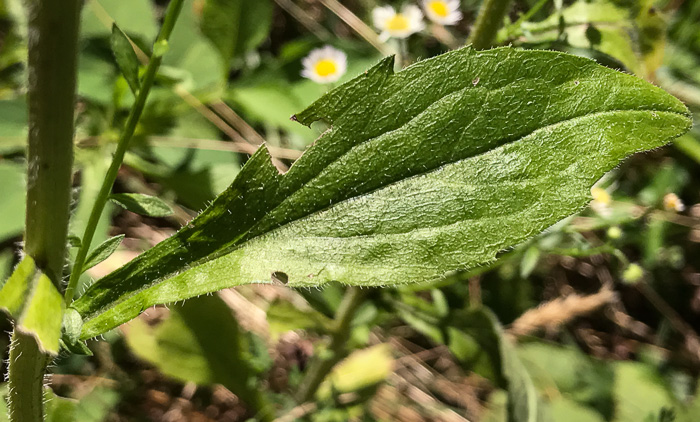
(126, 57)
(142, 204)
(103, 251)
(70, 340)
(72, 324)
(423, 172)
(14, 292)
(43, 315)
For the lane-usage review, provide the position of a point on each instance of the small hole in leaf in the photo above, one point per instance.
(280, 277)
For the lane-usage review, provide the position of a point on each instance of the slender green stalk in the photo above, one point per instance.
(488, 22)
(160, 45)
(321, 366)
(52, 64)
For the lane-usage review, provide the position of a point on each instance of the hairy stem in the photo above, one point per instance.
(52, 64)
(321, 366)
(488, 22)
(171, 16)
(27, 366)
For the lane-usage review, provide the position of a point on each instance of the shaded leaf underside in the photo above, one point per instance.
(423, 172)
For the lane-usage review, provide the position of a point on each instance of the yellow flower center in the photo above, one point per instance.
(601, 195)
(325, 67)
(397, 23)
(672, 202)
(439, 8)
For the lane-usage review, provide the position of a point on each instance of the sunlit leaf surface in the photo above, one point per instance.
(423, 172)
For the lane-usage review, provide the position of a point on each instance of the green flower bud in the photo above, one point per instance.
(614, 232)
(633, 274)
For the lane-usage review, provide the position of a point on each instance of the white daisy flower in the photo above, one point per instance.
(673, 203)
(397, 25)
(442, 12)
(324, 65)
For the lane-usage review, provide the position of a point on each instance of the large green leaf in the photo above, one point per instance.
(432, 169)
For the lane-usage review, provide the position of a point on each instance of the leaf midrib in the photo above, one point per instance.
(419, 174)
(501, 183)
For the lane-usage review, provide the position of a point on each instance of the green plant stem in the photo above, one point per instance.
(52, 64)
(171, 16)
(340, 333)
(488, 22)
(26, 378)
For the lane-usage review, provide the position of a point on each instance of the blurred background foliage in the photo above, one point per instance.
(595, 320)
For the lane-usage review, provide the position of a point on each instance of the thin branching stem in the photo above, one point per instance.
(171, 16)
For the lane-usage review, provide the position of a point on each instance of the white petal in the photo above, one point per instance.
(381, 15)
(415, 18)
(412, 12)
